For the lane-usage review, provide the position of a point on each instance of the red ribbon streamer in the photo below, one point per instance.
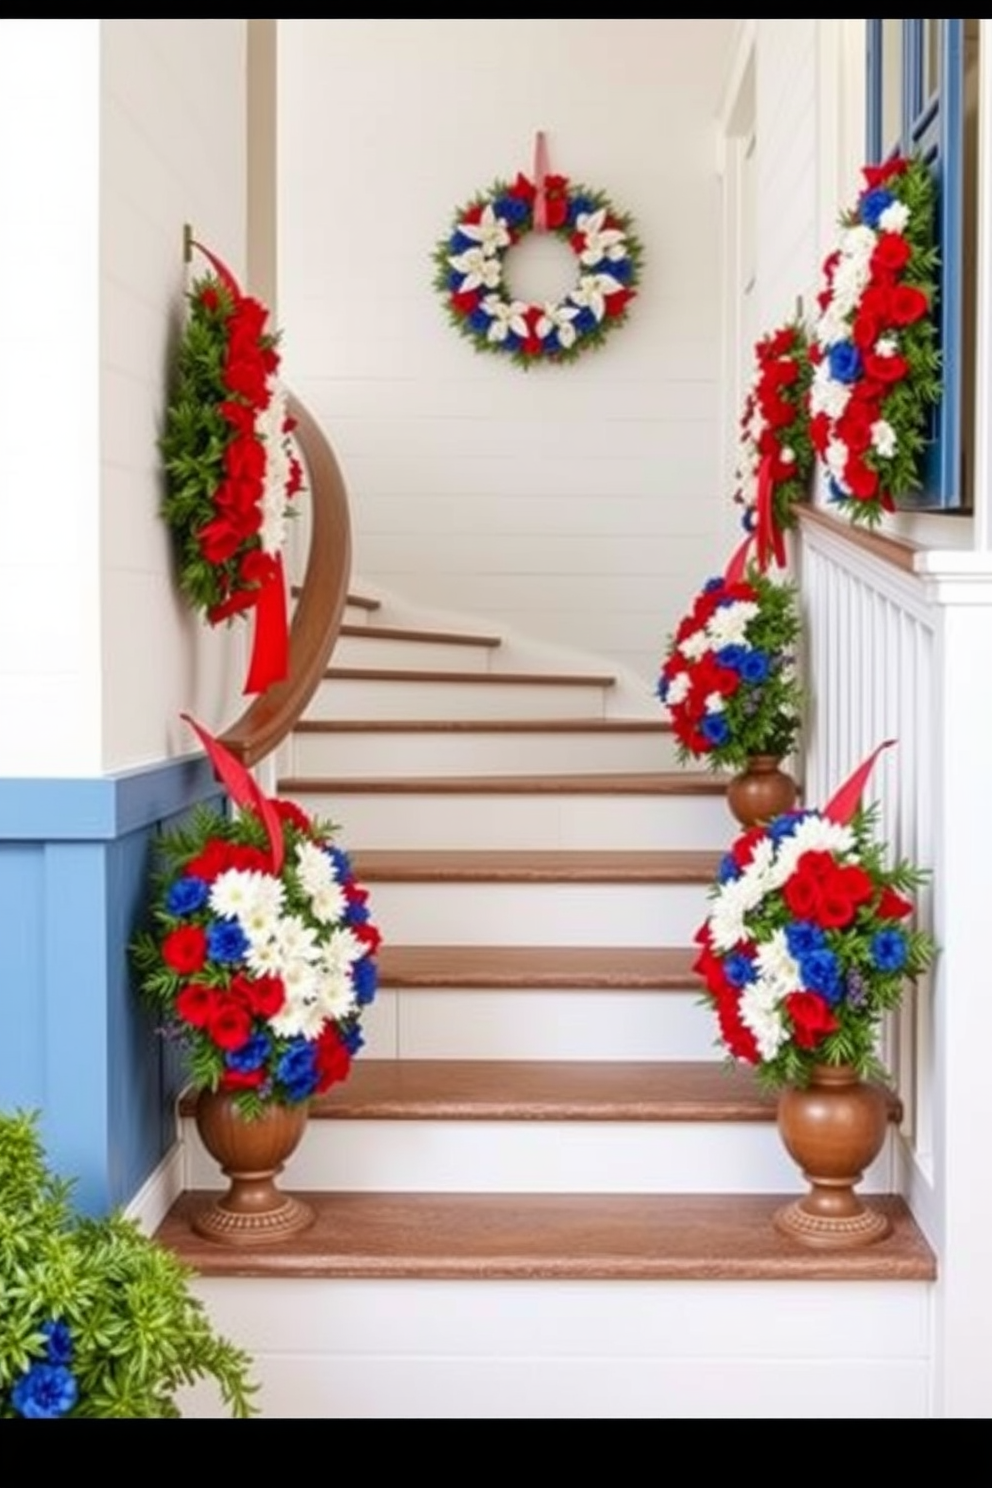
(270, 646)
(220, 268)
(844, 803)
(540, 182)
(243, 789)
(736, 569)
(770, 542)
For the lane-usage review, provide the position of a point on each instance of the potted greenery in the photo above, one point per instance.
(730, 684)
(98, 1319)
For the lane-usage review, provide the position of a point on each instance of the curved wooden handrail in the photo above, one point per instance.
(317, 616)
(898, 552)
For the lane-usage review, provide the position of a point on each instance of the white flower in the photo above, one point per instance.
(490, 232)
(887, 346)
(760, 1013)
(558, 318)
(884, 439)
(236, 892)
(728, 625)
(695, 646)
(480, 271)
(328, 904)
(678, 689)
(777, 967)
(601, 242)
(265, 958)
(506, 316)
(727, 918)
(827, 395)
(787, 455)
(592, 291)
(716, 703)
(296, 940)
(314, 867)
(895, 219)
(813, 834)
(837, 457)
(303, 1018)
(269, 428)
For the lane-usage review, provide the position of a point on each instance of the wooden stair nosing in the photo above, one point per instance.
(432, 676)
(430, 637)
(443, 865)
(554, 1237)
(538, 968)
(656, 783)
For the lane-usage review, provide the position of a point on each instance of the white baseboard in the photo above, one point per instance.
(154, 1200)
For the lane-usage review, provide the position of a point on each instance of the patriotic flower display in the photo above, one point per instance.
(470, 270)
(728, 678)
(808, 943)
(262, 955)
(230, 470)
(774, 454)
(876, 362)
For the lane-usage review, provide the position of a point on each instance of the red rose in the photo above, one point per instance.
(892, 254)
(196, 1004)
(811, 1018)
(185, 950)
(211, 862)
(242, 1079)
(333, 1061)
(886, 369)
(862, 481)
(230, 1026)
(893, 906)
(909, 305)
(219, 540)
(736, 1035)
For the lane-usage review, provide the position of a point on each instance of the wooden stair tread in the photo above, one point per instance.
(606, 726)
(533, 866)
(596, 783)
(548, 968)
(566, 1237)
(517, 679)
(432, 637)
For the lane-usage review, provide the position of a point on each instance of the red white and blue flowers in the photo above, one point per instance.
(261, 975)
(807, 945)
(728, 678)
(876, 361)
(774, 453)
(470, 264)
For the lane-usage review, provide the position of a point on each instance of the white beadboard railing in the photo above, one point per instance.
(869, 662)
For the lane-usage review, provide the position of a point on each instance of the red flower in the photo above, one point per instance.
(811, 1018)
(234, 1080)
(892, 254)
(887, 369)
(333, 1061)
(196, 1004)
(736, 1035)
(909, 305)
(893, 906)
(230, 1025)
(185, 950)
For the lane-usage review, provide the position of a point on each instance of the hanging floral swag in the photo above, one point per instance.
(230, 469)
(471, 270)
(774, 452)
(876, 362)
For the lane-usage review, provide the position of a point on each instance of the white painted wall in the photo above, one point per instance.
(572, 505)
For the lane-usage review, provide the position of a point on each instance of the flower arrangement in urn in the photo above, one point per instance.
(729, 676)
(809, 942)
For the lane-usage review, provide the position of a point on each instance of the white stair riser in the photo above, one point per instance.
(346, 697)
(458, 752)
(536, 1157)
(537, 913)
(422, 655)
(382, 819)
(415, 1023)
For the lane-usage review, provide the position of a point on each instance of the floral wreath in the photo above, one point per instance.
(875, 356)
(774, 452)
(729, 677)
(806, 946)
(470, 268)
(230, 468)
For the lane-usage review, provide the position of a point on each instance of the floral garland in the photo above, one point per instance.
(230, 469)
(471, 270)
(729, 676)
(876, 361)
(774, 453)
(805, 946)
(261, 956)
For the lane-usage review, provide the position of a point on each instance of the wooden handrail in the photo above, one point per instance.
(269, 718)
(899, 552)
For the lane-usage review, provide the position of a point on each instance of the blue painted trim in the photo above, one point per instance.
(101, 809)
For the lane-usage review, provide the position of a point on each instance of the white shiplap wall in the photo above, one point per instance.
(577, 506)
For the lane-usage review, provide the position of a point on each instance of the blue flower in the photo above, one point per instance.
(749, 520)
(756, 668)
(297, 1070)
(480, 321)
(353, 1040)
(455, 281)
(45, 1392)
(781, 827)
(889, 950)
(513, 208)
(874, 205)
(356, 914)
(837, 492)
(733, 657)
(739, 970)
(845, 362)
(713, 586)
(729, 871)
(662, 688)
(585, 322)
(365, 977)
(581, 206)
(460, 244)
(226, 941)
(622, 269)
(59, 1341)
(803, 939)
(341, 861)
(821, 973)
(715, 728)
(186, 896)
(251, 1056)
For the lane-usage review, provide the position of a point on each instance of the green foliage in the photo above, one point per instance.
(138, 1333)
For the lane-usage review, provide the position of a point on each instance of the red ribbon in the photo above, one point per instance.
(270, 645)
(736, 570)
(243, 789)
(541, 182)
(220, 269)
(770, 542)
(844, 803)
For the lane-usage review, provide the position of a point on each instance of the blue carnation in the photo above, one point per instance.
(513, 208)
(356, 914)
(874, 205)
(733, 658)
(341, 861)
(297, 1070)
(845, 362)
(59, 1343)
(821, 973)
(739, 970)
(803, 939)
(889, 950)
(756, 668)
(716, 729)
(353, 1040)
(45, 1392)
(460, 244)
(729, 871)
(749, 520)
(186, 896)
(227, 942)
(581, 206)
(480, 321)
(784, 826)
(714, 585)
(836, 491)
(585, 322)
(365, 977)
(251, 1056)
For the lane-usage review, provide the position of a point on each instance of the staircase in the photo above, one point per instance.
(541, 1193)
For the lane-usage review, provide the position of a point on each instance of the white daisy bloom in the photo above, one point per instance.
(269, 426)
(727, 919)
(336, 995)
(678, 689)
(297, 941)
(728, 625)
(895, 219)
(265, 958)
(233, 893)
(884, 439)
(314, 868)
(328, 904)
(837, 458)
(303, 1018)
(777, 967)
(341, 950)
(759, 1012)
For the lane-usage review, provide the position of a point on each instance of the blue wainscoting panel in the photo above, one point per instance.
(76, 1042)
